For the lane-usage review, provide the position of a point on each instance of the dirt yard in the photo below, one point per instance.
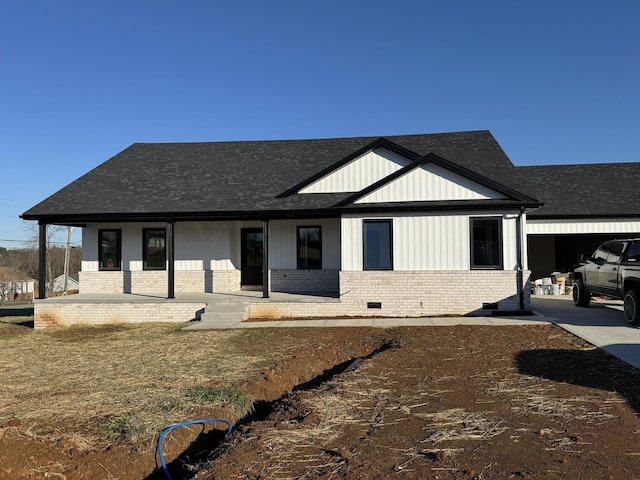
(435, 403)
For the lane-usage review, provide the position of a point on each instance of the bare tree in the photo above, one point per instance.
(6, 284)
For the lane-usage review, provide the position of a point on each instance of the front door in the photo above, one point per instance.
(251, 261)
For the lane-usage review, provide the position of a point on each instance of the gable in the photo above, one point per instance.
(359, 173)
(430, 182)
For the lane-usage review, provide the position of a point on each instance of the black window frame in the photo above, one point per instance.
(500, 241)
(101, 253)
(300, 247)
(145, 252)
(366, 246)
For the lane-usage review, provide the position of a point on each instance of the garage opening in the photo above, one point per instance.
(561, 253)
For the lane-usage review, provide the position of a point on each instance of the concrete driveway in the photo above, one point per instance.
(601, 324)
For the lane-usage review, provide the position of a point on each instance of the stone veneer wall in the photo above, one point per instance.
(410, 294)
(305, 281)
(52, 314)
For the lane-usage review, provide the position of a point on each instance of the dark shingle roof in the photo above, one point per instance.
(587, 190)
(222, 177)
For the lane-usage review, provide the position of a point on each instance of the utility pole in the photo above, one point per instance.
(66, 259)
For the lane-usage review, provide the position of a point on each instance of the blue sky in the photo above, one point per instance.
(555, 82)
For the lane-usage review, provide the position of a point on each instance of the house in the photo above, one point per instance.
(415, 225)
(72, 284)
(15, 285)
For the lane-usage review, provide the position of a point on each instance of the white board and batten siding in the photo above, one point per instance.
(215, 245)
(283, 236)
(359, 173)
(420, 242)
(427, 183)
(198, 245)
(426, 242)
(582, 226)
(430, 183)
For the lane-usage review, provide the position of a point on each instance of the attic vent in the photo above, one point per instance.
(374, 304)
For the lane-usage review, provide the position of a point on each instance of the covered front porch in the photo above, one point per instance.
(226, 256)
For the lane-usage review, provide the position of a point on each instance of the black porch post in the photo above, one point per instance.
(170, 260)
(265, 259)
(42, 261)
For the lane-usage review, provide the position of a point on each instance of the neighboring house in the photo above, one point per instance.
(15, 285)
(72, 285)
(416, 225)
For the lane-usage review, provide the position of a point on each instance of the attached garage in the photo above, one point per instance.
(556, 245)
(584, 206)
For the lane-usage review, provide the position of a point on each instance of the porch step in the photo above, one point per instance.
(224, 311)
(227, 310)
(225, 316)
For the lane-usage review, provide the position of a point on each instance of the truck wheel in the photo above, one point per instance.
(632, 307)
(581, 297)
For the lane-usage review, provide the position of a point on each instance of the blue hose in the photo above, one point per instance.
(193, 422)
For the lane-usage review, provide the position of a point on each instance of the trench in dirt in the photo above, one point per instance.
(210, 445)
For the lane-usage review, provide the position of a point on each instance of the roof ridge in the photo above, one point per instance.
(312, 139)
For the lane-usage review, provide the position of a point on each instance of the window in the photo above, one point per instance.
(309, 247)
(615, 251)
(154, 252)
(378, 245)
(633, 252)
(109, 249)
(486, 242)
(609, 252)
(600, 255)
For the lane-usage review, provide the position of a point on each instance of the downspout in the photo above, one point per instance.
(170, 260)
(519, 274)
(42, 261)
(265, 259)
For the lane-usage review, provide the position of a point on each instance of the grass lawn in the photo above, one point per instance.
(130, 380)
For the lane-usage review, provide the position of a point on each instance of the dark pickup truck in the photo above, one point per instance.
(613, 271)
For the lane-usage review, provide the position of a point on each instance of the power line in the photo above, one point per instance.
(32, 241)
(16, 241)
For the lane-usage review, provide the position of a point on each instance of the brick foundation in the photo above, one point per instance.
(411, 294)
(68, 314)
(225, 281)
(155, 282)
(362, 294)
(101, 282)
(305, 281)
